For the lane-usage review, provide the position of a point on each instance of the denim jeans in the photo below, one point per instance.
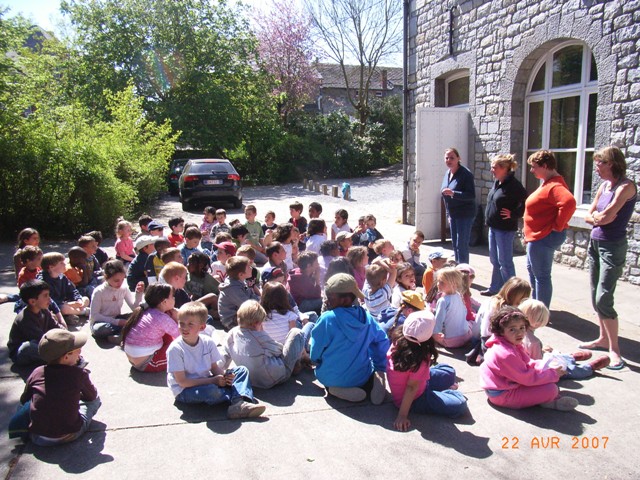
(213, 394)
(438, 399)
(310, 305)
(460, 236)
(501, 256)
(306, 329)
(87, 411)
(104, 329)
(539, 263)
(27, 354)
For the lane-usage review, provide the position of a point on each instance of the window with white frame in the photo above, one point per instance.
(457, 90)
(560, 115)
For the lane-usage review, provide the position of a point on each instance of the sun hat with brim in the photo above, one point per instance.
(271, 273)
(418, 326)
(465, 267)
(228, 247)
(144, 241)
(57, 342)
(414, 299)
(343, 283)
(437, 253)
(342, 235)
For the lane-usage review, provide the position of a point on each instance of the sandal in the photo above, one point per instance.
(618, 366)
(592, 346)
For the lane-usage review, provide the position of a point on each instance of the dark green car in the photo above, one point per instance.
(175, 170)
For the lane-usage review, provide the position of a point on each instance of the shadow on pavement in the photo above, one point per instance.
(285, 395)
(79, 456)
(158, 379)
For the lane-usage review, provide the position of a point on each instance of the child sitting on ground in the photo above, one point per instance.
(415, 384)
(31, 258)
(343, 239)
(31, 324)
(348, 346)
(124, 243)
(472, 305)
(234, 290)
(340, 224)
(284, 235)
(304, 283)
(27, 236)
(256, 235)
(145, 246)
(369, 236)
(405, 280)
(100, 254)
(150, 330)
(253, 282)
(281, 315)
(94, 267)
(509, 377)
(239, 234)
(316, 234)
(143, 222)
(269, 222)
(298, 221)
(411, 301)
(192, 237)
(538, 315)
(512, 293)
(201, 286)
(437, 261)
(208, 221)
(269, 362)
(176, 225)
(378, 289)
(170, 255)
(328, 251)
(383, 249)
(153, 265)
(277, 258)
(62, 292)
(175, 274)
(106, 319)
(358, 259)
(452, 329)
(225, 250)
(77, 271)
(221, 223)
(194, 374)
(59, 398)
(411, 255)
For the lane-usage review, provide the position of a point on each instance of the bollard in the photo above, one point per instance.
(305, 183)
(317, 187)
(334, 191)
(311, 185)
(325, 189)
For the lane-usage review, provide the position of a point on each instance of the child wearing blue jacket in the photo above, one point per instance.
(348, 346)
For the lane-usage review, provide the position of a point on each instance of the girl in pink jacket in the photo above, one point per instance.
(509, 376)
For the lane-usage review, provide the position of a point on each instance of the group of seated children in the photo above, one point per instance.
(358, 311)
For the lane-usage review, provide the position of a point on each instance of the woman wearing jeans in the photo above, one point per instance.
(609, 214)
(546, 219)
(505, 204)
(459, 193)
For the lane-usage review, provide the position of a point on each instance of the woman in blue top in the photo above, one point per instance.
(609, 214)
(505, 205)
(459, 194)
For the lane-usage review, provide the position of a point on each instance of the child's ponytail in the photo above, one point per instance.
(153, 297)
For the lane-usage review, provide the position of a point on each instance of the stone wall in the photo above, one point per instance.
(499, 42)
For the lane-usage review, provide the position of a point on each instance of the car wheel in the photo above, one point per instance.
(237, 203)
(185, 205)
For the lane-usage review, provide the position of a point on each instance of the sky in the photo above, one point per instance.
(46, 14)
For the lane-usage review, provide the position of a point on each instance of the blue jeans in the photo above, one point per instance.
(501, 256)
(460, 236)
(310, 305)
(539, 263)
(87, 411)
(437, 399)
(213, 394)
(306, 329)
(27, 354)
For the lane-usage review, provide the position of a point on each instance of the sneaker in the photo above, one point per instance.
(581, 356)
(114, 339)
(244, 409)
(350, 394)
(600, 362)
(563, 404)
(378, 389)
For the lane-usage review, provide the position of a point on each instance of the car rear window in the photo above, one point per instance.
(211, 167)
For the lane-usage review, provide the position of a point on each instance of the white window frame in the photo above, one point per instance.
(583, 90)
(448, 80)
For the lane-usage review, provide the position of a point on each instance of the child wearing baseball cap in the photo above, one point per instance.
(416, 385)
(348, 346)
(59, 399)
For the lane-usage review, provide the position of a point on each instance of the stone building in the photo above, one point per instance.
(514, 76)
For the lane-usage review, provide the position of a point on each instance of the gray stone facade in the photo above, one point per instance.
(498, 43)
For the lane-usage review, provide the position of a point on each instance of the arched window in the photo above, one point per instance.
(560, 113)
(457, 90)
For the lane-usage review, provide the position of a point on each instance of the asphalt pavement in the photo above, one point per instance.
(141, 433)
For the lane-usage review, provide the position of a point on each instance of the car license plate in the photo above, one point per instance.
(212, 182)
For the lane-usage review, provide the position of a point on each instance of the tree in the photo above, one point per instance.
(364, 31)
(287, 51)
(191, 61)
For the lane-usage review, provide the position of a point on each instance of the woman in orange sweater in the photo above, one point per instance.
(546, 219)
